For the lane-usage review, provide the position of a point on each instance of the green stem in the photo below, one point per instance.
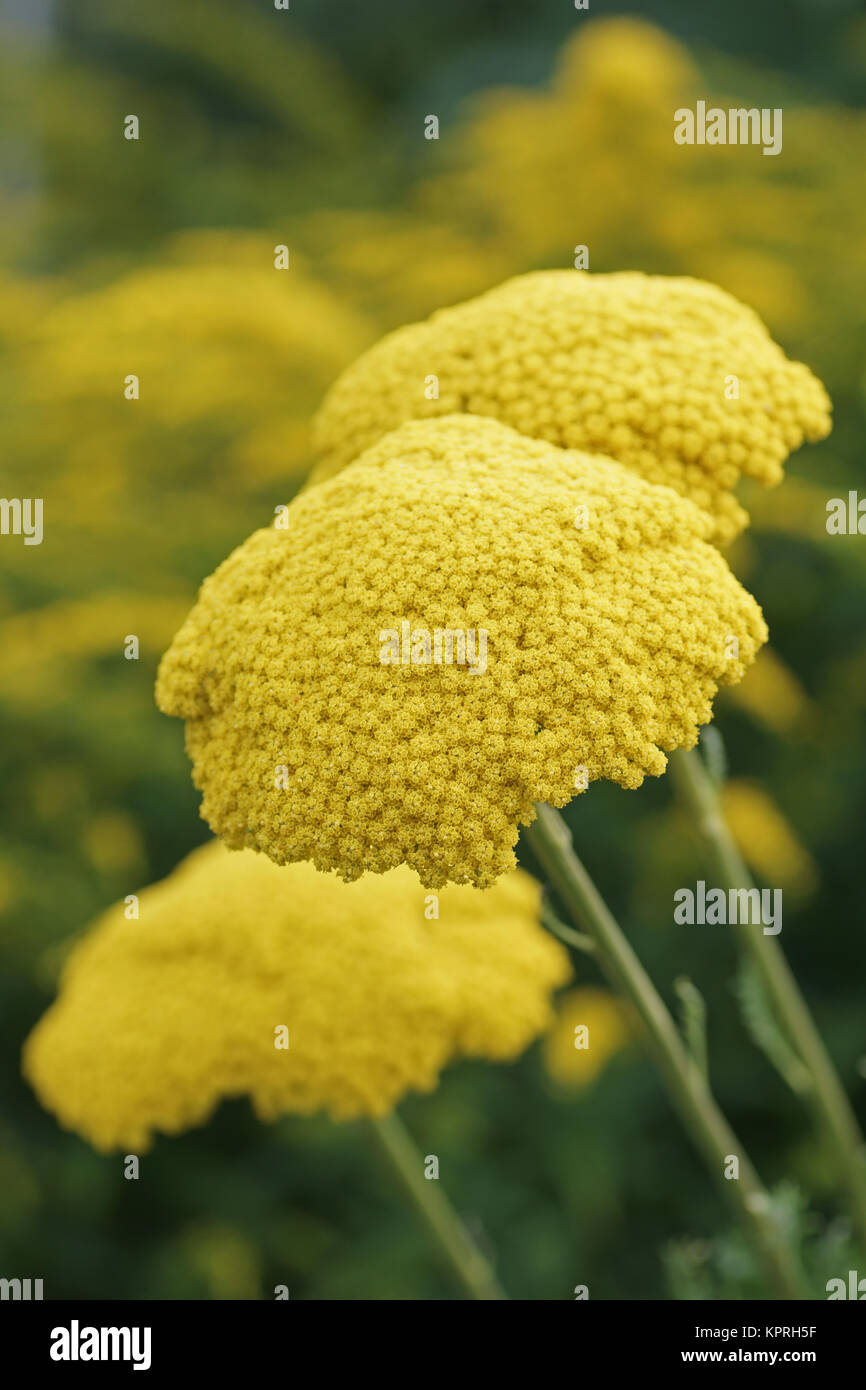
(567, 935)
(455, 1244)
(688, 1089)
(826, 1094)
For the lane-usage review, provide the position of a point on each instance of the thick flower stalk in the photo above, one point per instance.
(289, 987)
(591, 626)
(681, 1069)
(813, 1074)
(670, 376)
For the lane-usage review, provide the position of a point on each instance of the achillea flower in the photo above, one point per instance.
(160, 1019)
(670, 376)
(227, 350)
(705, 210)
(608, 623)
(46, 650)
(591, 1027)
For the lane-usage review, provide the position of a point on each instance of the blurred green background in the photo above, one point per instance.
(261, 127)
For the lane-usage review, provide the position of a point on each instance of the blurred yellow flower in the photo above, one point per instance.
(576, 163)
(669, 376)
(766, 841)
(606, 624)
(290, 987)
(212, 329)
(23, 301)
(772, 694)
(224, 348)
(397, 265)
(45, 650)
(592, 160)
(591, 1026)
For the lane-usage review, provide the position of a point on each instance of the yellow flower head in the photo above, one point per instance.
(672, 377)
(211, 330)
(228, 353)
(591, 1026)
(160, 1018)
(590, 624)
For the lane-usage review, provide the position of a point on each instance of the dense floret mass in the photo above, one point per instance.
(671, 376)
(593, 619)
(160, 1018)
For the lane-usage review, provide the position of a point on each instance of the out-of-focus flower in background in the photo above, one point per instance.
(591, 1027)
(171, 1007)
(773, 695)
(222, 344)
(767, 842)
